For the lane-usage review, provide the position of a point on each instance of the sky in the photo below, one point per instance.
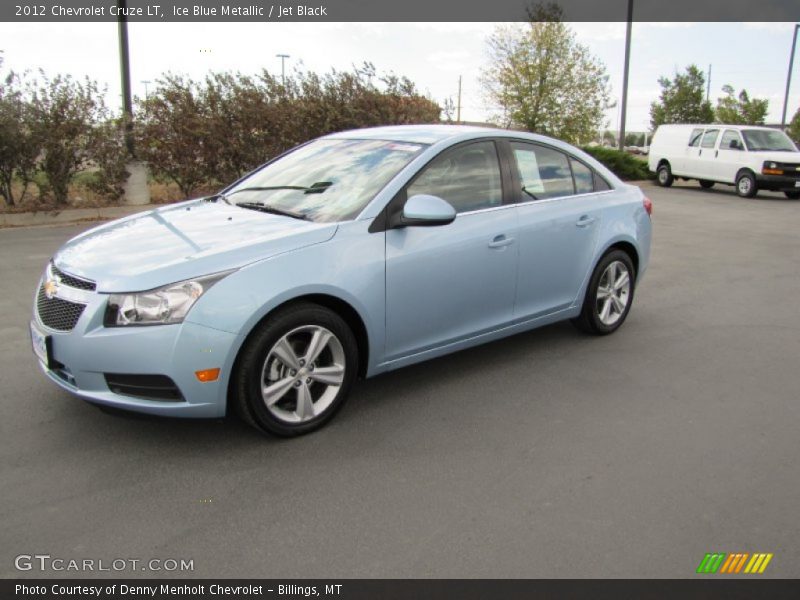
(754, 56)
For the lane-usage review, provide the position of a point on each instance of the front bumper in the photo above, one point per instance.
(83, 356)
(779, 183)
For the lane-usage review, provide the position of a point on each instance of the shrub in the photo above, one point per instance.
(625, 166)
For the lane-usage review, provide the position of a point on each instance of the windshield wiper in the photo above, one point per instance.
(314, 188)
(272, 210)
(524, 189)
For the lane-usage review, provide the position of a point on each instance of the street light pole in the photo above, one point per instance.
(125, 71)
(283, 58)
(789, 78)
(624, 106)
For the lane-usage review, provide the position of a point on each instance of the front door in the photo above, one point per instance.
(451, 282)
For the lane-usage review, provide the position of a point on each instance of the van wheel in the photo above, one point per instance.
(664, 175)
(295, 370)
(792, 195)
(746, 185)
(706, 184)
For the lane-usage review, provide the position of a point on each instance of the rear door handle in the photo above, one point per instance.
(585, 221)
(501, 241)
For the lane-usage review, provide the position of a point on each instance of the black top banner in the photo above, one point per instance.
(396, 11)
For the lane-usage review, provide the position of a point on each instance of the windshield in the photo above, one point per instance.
(761, 139)
(326, 180)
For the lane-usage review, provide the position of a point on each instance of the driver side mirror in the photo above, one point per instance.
(424, 210)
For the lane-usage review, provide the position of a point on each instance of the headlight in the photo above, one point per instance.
(162, 306)
(772, 165)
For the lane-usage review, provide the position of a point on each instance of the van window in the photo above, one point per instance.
(694, 139)
(710, 138)
(731, 140)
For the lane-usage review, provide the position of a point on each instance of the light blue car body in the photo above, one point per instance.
(418, 292)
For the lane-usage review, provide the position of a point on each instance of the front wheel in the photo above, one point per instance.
(295, 370)
(746, 185)
(609, 295)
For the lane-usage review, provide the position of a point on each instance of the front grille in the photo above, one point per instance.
(151, 387)
(72, 281)
(58, 314)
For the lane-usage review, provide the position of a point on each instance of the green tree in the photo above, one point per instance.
(741, 110)
(538, 77)
(793, 130)
(682, 100)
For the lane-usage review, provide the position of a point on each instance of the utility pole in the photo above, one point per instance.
(458, 109)
(125, 71)
(708, 84)
(283, 58)
(625, 76)
(136, 189)
(789, 78)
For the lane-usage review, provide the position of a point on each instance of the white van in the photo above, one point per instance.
(749, 157)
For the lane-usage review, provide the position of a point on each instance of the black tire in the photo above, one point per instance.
(246, 383)
(706, 184)
(746, 185)
(664, 175)
(792, 195)
(589, 319)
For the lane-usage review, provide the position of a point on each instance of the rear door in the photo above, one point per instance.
(706, 163)
(559, 221)
(689, 166)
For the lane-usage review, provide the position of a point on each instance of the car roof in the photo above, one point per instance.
(717, 126)
(419, 134)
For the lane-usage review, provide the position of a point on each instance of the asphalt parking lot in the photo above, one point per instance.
(550, 454)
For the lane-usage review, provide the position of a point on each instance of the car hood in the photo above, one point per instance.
(170, 244)
(784, 157)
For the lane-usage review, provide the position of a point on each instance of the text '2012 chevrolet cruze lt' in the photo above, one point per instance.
(351, 255)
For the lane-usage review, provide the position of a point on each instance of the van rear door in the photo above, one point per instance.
(707, 159)
(688, 166)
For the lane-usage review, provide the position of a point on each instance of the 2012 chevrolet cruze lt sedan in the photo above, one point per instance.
(351, 255)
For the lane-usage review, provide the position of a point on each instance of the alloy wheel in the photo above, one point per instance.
(302, 374)
(613, 293)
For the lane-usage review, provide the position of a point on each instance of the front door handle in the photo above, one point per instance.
(501, 241)
(585, 221)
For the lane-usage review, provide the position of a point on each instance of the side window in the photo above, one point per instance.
(731, 140)
(600, 184)
(694, 139)
(467, 177)
(710, 138)
(544, 172)
(584, 177)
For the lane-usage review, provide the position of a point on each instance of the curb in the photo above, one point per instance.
(70, 215)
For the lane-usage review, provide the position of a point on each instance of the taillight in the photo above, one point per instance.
(648, 205)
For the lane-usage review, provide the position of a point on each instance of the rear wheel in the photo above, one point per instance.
(664, 175)
(609, 295)
(706, 184)
(792, 195)
(296, 370)
(746, 185)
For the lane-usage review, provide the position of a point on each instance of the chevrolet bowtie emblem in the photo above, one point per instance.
(51, 287)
